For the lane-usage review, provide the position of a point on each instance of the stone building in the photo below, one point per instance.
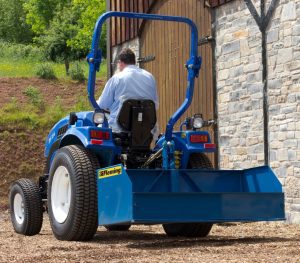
(256, 85)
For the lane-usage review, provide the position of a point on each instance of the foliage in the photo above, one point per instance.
(16, 52)
(29, 116)
(45, 71)
(82, 104)
(35, 97)
(12, 22)
(20, 60)
(63, 28)
(39, 13)
(90, 11)
(12, 115)
(76, 72)
(66, 30)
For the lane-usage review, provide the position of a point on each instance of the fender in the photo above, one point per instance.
(75, 132)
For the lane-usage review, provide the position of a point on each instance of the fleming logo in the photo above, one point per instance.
(113, 171)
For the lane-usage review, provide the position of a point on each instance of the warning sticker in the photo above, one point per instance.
(112, 171)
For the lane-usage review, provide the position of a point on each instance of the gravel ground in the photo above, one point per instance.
(251, 242)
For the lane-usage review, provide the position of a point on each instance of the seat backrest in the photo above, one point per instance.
(138, 117)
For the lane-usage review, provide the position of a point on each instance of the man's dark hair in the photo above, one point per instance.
(127, 56)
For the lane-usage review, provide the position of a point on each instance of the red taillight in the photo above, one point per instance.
(198, 138)
(94, 141)
(99, 135)
(209, 146)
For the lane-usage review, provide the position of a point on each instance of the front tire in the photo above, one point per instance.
(72, 194)
(26, 208)
(196, 161)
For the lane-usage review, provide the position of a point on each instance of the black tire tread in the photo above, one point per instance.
(85, 222)
(199, 161)
(33, 207)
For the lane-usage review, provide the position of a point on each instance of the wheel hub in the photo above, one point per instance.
(61, 194)
(19, 208)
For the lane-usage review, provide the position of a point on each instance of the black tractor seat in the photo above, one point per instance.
(137, 118)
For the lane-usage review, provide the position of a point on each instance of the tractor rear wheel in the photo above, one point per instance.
(117, 227)
(26, 207)
(196, 161)
(72, 194)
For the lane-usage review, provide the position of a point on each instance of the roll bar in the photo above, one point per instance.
(193, 64)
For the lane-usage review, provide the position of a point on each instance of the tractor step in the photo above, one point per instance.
(172, 196)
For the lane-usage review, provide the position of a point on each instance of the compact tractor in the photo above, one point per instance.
(96, 177)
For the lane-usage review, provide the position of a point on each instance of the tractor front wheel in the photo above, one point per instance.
(196, 161)
(72, 194)
(26, 207)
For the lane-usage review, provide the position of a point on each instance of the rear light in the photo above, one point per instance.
(101, 135)
(209, 146)
(198, 138)
(98, 142)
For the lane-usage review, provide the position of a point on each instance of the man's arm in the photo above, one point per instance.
(107, 97)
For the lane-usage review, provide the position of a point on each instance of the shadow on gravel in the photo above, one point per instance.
(152, 241)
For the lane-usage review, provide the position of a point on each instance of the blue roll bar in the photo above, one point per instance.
(193, 65)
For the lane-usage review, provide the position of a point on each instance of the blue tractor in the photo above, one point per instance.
(94, 176)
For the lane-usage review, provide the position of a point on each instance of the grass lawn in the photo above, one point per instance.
(19, 60)
(27, 68)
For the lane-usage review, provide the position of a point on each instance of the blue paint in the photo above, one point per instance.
(170, 196)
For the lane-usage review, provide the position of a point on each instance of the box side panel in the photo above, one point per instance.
(114, 196)
(207, 207)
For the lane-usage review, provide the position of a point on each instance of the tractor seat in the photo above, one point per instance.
(137, 118)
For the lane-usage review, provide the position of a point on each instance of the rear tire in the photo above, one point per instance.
(196, 161)
(117, 227)
(72, 194)
(26, 208)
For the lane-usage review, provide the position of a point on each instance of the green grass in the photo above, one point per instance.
(18, 60)
(28, 68)
(32, 115)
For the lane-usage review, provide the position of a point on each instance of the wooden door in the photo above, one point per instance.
(169, 42)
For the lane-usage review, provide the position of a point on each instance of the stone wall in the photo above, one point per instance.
(284, 101)
(240, 93)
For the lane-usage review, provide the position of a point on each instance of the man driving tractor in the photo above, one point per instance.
(131, 82)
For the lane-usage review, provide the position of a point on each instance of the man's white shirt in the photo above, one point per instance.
(131, 83)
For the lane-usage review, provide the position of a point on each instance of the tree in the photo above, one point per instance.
(65, 27)
(90, 11)
(62, 28)
(13, 27)
(40, 13)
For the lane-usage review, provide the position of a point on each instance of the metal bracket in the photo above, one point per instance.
(146, 59)
(193, 66)
(205, 40)
(95, 58)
